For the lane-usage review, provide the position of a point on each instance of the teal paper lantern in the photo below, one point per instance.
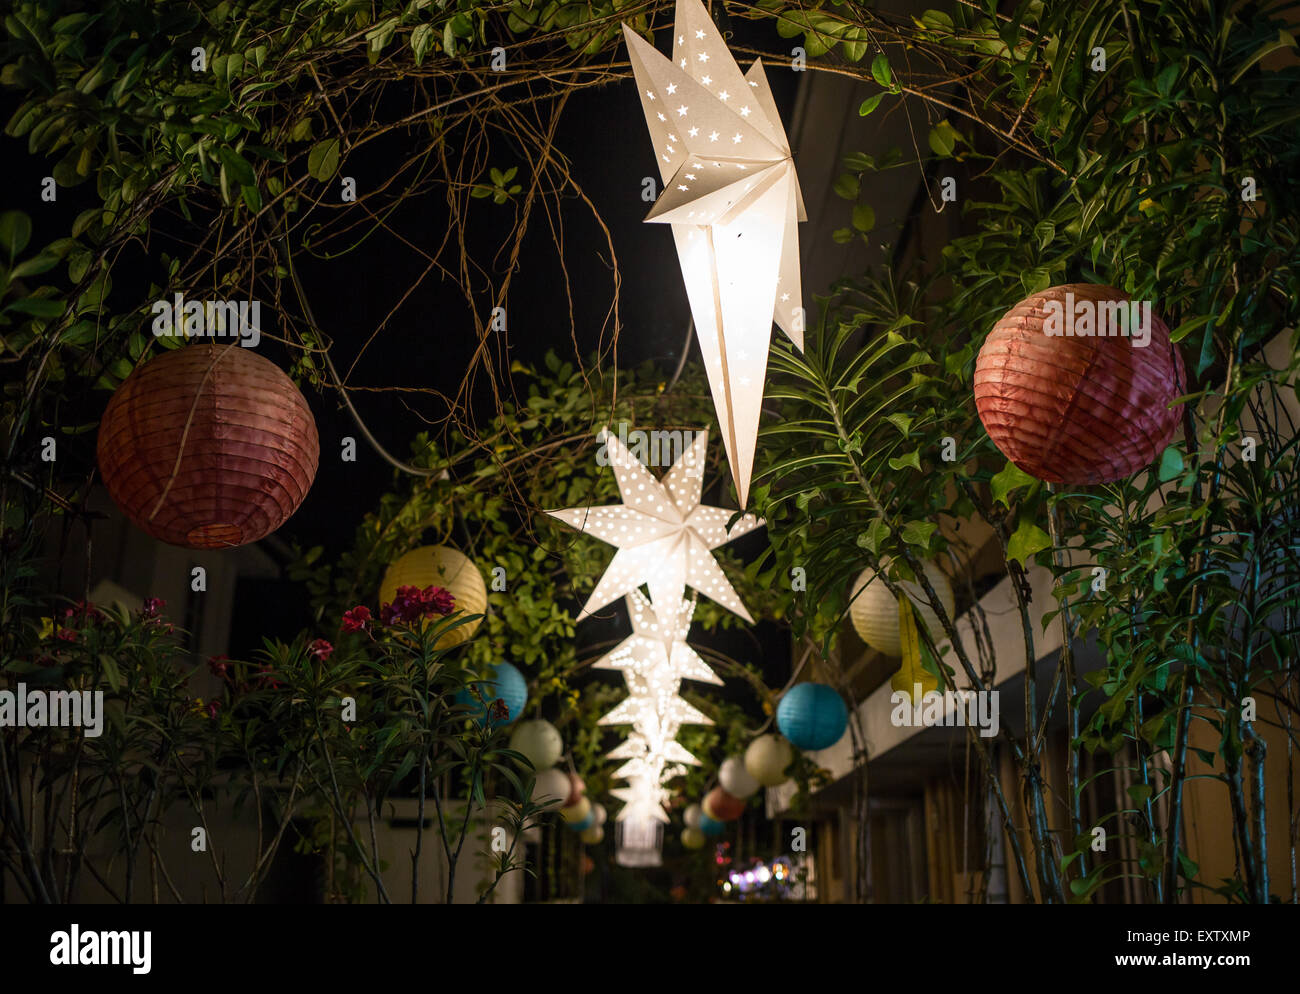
(506, 683)
(812, 716)
(711, 826)
(586, 823)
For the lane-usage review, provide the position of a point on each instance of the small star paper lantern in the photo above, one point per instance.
(664, 536)
(732, 198)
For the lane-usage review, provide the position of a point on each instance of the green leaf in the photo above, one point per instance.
(38, 307)
(1140, 793)
(875, 534)
(912, 459)
(239, 168)
(842, 236)
(1027, 540)
(323, 159)
(1171, 464)
(919, 533)
(34, 266)
(870, 104)
(880, 71)
(864, 218)
(1011, 478)
(15, 232)
(111, 672)
(846, 186)
(944, 138)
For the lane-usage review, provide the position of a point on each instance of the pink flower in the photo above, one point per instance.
(219, 666)
(66, 634)
(321, 649)
(152, 605)
(213, 708)
(437, 600)
(84, 611)
(264, 677)
(410, 604)
(357, 619)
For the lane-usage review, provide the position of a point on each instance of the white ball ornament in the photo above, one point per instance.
(551, 788)
(735, 779)
(540, 741)
(692, 816)
(767, 759)
(874, 610)
(601, 814)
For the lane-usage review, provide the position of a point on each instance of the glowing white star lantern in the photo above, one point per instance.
(664, 536)
(732, 197)
(655, 653)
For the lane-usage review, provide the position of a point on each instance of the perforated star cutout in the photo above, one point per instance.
(736, 228)
(664, 536)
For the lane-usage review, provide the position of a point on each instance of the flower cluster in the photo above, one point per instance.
(411, 604)
(356, 620)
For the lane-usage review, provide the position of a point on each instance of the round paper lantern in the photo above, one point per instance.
(506, 683)
(551, 788)
(812, 716)
(691, 816)
(767, 759)
(584, 824)
(711, 826)
(593, 834)
(576, 789)
(735, 779)
(208, 447)
(540, 742)
(578, 813)
(599, 811)
(440, 566)
(874, 610)
(1076, 409)
(721, 806)
(693, 838)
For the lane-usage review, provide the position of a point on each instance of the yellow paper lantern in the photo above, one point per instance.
(693, 838)
(874, 611)
(440, 566)
(592, 835)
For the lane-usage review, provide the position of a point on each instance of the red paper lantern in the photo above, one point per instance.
(208, 447)
(1077, 409)
(721, 806)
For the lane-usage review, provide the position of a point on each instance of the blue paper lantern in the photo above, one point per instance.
(506, 683)
(711, 826)
(582, 826)
(812, 716)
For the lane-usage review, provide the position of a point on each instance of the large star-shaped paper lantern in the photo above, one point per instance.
(732, 197)
(664, 536)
